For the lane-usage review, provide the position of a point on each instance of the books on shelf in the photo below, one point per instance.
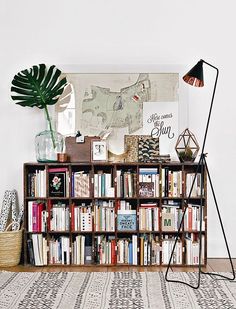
(59, 250)
(112, 214)
(81, 217)
(171, 216)
(167, 246)
(149, 182)
(149, 217)
(192, 218)
(149, 250)
(126, 220)
(103, 185)
(105, 249)
(80, 185)
(36, 184)
(59, 219)
(37, 248)
(58, 179)
(123, 205)
(82, 250)
(37, 216)
(192, 249)
(195, 185)
(104, 216)
(126, 183)
(171, 183)
(127, 250)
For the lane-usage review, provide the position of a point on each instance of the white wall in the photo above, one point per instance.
(123, 32)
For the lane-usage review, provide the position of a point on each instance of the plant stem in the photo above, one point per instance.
(50, 126)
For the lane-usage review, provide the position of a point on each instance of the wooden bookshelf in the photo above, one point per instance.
(135, 201)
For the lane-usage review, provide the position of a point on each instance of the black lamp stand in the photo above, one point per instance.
(196, 76)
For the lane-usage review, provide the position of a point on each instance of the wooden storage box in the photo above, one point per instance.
(79, 152)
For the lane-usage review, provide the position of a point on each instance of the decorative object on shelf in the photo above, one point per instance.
(47, 148)
(62, 157)
(79, 152)
(113, 157)
(131, 147)
(195, 78)
(148, 149)
(99, 151)
(40, 87)
(79, 138)
(187, 146)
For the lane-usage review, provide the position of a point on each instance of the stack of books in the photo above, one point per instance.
(37, 217)
(127, 251)
(37, 184)
(59, 250)
(105, 249)
(103, 185)
(126, 183)
(81, 218)
(148, 182)
(104, 216)
(80, 185)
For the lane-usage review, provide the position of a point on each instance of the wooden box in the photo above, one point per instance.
(79, 152)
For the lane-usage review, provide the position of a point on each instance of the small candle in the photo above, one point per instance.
(61, 157)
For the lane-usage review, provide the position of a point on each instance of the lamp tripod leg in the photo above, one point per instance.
(222, 228)
(200, 164)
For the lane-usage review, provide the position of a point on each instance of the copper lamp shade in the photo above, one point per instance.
(195, 76)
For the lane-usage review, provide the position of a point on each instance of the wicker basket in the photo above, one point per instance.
(10, 247)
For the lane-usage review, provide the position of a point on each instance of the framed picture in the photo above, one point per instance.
(99, 151)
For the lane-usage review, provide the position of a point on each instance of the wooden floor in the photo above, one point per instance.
(220, 265)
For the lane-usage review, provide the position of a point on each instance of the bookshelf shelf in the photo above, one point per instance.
(149, 196)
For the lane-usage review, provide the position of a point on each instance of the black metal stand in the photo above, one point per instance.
(200, 167)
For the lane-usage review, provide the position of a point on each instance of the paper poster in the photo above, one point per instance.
(160, 120)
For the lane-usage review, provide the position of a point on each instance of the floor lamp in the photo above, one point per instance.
(195, 78)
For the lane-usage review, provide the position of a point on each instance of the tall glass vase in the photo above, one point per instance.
(48, 143)
(46, 150)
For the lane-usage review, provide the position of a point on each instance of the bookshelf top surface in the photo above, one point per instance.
(118, 164)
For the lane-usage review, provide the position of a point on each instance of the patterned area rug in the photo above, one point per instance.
(107, 290)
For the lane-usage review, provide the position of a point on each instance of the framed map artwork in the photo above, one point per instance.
(113, 101)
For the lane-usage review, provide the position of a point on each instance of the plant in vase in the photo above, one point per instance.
(41, 87)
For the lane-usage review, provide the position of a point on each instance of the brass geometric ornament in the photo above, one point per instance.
(187, 146)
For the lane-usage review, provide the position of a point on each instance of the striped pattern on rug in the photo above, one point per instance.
(112, 290)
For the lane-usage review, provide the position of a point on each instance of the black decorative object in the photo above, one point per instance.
(148, 149)
(187, 146)
(195, 77)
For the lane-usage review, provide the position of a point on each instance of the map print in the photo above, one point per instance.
(103, 108)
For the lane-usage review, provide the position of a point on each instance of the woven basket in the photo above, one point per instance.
(10, 247)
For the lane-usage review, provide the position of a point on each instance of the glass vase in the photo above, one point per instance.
(47, 144)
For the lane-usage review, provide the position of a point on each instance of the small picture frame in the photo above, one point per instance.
(99, 151)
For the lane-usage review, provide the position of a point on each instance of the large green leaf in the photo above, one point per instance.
(38, 86)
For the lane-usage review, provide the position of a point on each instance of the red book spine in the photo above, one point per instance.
(113, 251)
(117, 205)
(58, 169)
(34, 217)
(39, 217)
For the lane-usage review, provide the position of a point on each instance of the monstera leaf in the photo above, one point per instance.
(38, 86)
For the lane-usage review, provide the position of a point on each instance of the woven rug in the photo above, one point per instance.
(117, 290)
